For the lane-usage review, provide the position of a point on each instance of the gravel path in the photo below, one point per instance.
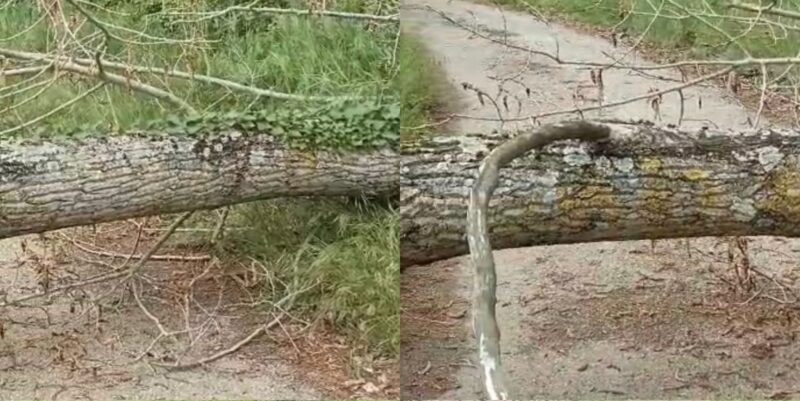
(602, 320)
(66, 356)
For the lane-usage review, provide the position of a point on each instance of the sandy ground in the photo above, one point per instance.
(61, 349)
(612, 320)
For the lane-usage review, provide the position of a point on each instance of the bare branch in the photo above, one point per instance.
(105, 76)
(650, 95)
(202, 16)
(170, 72)
(53, 111)
(770, 9)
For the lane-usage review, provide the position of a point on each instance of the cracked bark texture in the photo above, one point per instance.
(50, 185)
(645, 182)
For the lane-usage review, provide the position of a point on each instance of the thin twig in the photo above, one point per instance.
(220, 225)
(160, 242)
(286, 11)
(770, 9)
(179, 258)
(53, 111)
(138, 86)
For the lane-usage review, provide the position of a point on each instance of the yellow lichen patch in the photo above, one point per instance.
(695, 174)
(592, 202)
(308, 157)
(709, 198)
(650, 165)
(655, 204)
(783, 196)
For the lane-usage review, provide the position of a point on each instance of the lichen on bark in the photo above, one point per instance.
(783, 188)
(647, 182)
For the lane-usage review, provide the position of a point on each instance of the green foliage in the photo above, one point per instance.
(298, 55)
(422, 84)
(349, 256)
(337, 126)
(689, 28)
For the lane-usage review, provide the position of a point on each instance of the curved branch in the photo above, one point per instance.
(484, 323)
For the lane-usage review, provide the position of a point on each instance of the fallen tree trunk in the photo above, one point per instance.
(50, 185)
(645, 182)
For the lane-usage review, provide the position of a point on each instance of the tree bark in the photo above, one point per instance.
(645, 182)
(50, 185)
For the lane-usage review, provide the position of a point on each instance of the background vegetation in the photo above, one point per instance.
(684, 29)
(423, 86)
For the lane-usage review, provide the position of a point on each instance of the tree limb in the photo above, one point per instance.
(646, 182)
(47, 185)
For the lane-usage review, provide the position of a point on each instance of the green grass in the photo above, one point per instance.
(348, 254)
(423, 86)
(350, 250)
(684, 29)
(288, 54)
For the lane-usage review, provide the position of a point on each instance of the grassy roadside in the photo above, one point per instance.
(348, 250)
(340, 257)
(685, 28)
(423, 85)
(295, 55)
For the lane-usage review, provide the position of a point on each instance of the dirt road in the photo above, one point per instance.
(61, 349)
(604, 320)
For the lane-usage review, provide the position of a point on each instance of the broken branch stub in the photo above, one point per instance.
(485, 280)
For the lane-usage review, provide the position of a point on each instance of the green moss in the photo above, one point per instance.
(709, 199)
(710, 195)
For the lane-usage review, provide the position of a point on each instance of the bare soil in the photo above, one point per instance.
(609, 320)
(96, 342)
